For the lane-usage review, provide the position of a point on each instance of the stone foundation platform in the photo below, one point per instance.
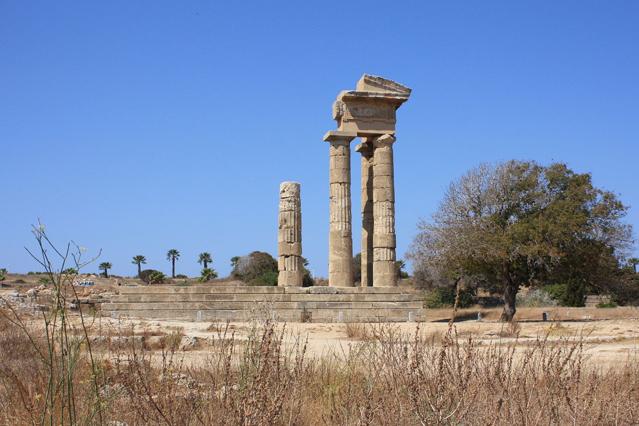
(290, 304)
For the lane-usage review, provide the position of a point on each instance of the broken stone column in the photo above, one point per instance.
(289, 236)
(340, 240)
(384, 273)
(366, 150)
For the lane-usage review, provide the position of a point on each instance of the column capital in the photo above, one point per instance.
(384, 140)
(339, 136)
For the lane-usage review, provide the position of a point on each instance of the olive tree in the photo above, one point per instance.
(520, 223)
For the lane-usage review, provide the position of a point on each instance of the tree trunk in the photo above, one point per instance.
(106, 273)
(206, 265)
(139, 269)
(173, 268)
(510, 295)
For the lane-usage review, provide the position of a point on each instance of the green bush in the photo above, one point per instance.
(535, 298)
(151, 276)
(444, 297)
(609, 304)
(70, 271)
(181, 276)
(267, 278)
(207, 274)
(44, 281)
(3, 274)
(571, 293)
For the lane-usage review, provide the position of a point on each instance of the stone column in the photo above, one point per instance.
(340, 240)
(384, 274)
(366, 149)
(289, 236)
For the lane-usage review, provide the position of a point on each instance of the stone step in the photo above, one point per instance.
(207, 289)
(242, 303)
(263, 297)
(289, 315)
(226, 305)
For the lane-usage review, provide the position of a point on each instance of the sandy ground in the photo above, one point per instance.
(607, 343)
(610, 336)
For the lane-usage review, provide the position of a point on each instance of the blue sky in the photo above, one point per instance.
(140, 126)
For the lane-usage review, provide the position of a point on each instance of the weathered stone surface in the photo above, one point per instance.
(369, 112)
(371, 108)
(315, 304)
(384, 241)
(366, 150)
(340, 242)
(289, 236)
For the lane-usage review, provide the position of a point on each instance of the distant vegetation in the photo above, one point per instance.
(260, 268)
(151, 276)
(173, 255)
(105, 266)
(139, 260)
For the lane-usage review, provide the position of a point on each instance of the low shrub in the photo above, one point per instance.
(535, 298)
(608, 304)
(207, 274)
(181, 276)
(444, 297)
(151, 276)
(268, 278)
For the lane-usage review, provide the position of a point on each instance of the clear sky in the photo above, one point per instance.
(140, 126)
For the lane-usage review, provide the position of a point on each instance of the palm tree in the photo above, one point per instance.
(172, 255)
(139, 260)
(105, 266)
(204, 259)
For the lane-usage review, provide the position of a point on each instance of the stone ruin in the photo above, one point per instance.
(289, 236)
(368, 112)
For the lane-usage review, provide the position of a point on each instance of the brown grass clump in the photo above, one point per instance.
(357, 331)
(386, 378)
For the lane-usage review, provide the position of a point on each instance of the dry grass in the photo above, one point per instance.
(387, 378)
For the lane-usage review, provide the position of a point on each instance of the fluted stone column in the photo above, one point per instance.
(289, 236)
(340, 240)
(366, 150)
(384, 274)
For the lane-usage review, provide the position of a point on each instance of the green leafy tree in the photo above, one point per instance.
(633, 262)
(307, 277)
(256, 268)
(172, 255)
(139, 260)
(521, 224)
(105, 266)
(234, 262)
(3, 274)
(204, 259)
(151, 276)
(401, 269)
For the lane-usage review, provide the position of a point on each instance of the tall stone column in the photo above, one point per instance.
(289, 236)
(340, 240)
(366, 150)
(384, 274)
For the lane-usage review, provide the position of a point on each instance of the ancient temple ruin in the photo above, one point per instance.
(368, 112)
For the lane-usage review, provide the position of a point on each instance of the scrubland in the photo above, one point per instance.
(265, 372)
